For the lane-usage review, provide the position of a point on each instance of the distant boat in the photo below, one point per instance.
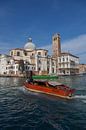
(51, 88)
(45, 77)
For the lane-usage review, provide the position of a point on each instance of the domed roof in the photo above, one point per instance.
(29, 45)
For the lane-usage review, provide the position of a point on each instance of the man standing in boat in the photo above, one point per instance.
(29, 77)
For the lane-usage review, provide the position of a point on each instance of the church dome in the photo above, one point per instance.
(29, 45)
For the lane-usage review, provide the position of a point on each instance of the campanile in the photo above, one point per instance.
(56, 45)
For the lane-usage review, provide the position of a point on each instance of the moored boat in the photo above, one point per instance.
(51, 88)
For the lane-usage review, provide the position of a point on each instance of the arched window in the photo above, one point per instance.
(39, 53)
(52, 70)
(18, 53)
(25, 53)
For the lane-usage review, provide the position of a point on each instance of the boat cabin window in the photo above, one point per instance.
(40, 83)
(63, 87)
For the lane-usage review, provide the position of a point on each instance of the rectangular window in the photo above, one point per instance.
(67, 59)
(45, 53)
(52, 63)
(11, 53)
(63, 59)
(39, 61)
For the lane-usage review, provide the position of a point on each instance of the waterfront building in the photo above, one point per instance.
(21, 60)
(11, 67)
(82, 69)
(39, 59)
(68, 64)
(6, 63)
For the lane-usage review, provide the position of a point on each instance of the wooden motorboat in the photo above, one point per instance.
(51, 88)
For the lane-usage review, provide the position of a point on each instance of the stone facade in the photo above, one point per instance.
(56, 45)
(82, 69)
(68, 64)
(39, 58)
(26, 59)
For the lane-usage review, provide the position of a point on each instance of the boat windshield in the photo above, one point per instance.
(42, 83)
(64, 87)
(54, 83)
(59, 85)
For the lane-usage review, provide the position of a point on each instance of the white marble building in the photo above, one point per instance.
(33, 59)
(68, 64)
(21, 60)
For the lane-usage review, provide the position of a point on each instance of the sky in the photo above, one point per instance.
(40, 19)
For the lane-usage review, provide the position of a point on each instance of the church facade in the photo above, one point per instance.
(20, 61)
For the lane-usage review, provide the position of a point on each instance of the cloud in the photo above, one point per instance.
(47, 47)
(76, 46)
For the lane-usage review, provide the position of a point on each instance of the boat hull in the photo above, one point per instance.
(49, 91)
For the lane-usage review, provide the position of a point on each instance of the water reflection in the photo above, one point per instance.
(11, 81)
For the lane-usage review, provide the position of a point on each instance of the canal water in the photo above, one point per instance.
(24, 110)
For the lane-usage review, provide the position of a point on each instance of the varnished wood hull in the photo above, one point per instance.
(48, 90)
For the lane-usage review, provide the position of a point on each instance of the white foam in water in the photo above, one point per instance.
(84, 101)
(22, 88)
(80, 96)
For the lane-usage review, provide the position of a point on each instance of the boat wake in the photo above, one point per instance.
(22, 89)
(82, 98)
(79, 97)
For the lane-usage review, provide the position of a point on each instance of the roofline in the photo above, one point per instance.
(17, 49)
(67, 53)
(42, 49)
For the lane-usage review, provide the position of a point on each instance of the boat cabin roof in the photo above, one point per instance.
(53, 83)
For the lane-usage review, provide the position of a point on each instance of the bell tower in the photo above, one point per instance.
(56, 45)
